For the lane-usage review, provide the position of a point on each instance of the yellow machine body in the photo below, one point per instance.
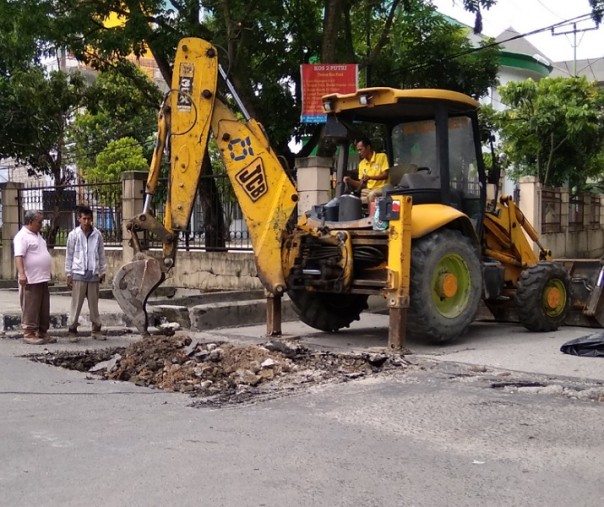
(434, 248)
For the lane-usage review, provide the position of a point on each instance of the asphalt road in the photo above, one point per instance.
(499, 419)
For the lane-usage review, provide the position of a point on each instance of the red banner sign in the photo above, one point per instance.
(322, 79)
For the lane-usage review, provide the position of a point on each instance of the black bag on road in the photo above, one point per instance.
(587, 346)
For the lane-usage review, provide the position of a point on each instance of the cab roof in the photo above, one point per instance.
(391, 104)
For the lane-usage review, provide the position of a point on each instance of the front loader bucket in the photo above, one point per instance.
(132, 285)
(587, 280)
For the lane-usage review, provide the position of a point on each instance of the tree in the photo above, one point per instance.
(119, 156)
(122, 102)
(598, 9)
(426, 50)
(22, 39)
(263, 42)
(553, 129)
(32, 126)
(262, 45)
(34, 113)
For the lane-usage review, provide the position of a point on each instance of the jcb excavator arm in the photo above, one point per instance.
(506, 242)
(266, 195)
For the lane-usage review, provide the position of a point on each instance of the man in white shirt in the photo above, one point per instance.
(85, 267)
(33, 271)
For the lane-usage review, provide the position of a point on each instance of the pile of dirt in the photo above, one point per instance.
(219, 373)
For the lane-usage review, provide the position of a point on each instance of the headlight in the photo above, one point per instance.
(364, 99)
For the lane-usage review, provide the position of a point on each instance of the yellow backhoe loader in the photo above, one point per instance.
(433, 243)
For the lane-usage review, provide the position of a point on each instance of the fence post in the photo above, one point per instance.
(133, 198)
(569, 249)
(314, 183)
(10, 227)
(530, 203)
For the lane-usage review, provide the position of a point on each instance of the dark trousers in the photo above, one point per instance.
(35, 308)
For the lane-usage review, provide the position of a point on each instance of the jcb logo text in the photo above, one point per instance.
(253, 181)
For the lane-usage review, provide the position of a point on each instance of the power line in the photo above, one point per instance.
(549, 10)
(575, 44)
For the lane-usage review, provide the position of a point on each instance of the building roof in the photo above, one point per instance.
(518, 44)
(591, 68)
(519, 53)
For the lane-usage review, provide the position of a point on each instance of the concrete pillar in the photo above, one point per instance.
(530, 204)
(10, 227)
(133, 198)
(314, 181)
(564, 222)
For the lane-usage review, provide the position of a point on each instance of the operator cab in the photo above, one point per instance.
(430, 137)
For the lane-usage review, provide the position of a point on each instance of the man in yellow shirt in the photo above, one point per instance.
(373, 169)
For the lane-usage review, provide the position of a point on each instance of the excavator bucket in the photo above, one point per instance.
(132, 286)
(587, 280)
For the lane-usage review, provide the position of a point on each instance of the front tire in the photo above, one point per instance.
(543, 297)
(446, 286)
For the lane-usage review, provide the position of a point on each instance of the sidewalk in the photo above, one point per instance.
(10, 314)
(197, 312)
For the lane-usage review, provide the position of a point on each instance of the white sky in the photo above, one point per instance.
(529, 15)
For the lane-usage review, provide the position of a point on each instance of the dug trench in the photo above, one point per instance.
(217, 374)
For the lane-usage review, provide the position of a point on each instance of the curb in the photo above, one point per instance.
(203, 317)
(198, 318)
(216, 315)
(10, 322)
(83, 333)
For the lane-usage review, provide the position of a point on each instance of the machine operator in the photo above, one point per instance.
(373, 170)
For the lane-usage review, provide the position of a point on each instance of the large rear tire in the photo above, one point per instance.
(446, 286)
(543, 296)
(327, 312)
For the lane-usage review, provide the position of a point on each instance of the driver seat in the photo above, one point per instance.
(419, 180)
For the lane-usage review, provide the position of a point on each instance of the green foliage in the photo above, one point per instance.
(121, 155)
(553, 129)
(475, 6)
(34, 112)
(122, 102)
(22, 35)
(427, 51)
(598, 9)
(263, 43)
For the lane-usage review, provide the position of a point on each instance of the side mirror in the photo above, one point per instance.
(495, 171)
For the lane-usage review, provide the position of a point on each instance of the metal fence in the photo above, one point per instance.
(584, 211)
(216, 198)
(59, 205)
(576, 212)
(595, 206)
(551, 211)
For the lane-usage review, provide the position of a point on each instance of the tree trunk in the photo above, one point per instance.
(332, 21)
(212, 210)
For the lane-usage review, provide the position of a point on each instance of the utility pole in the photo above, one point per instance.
(574, 31)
